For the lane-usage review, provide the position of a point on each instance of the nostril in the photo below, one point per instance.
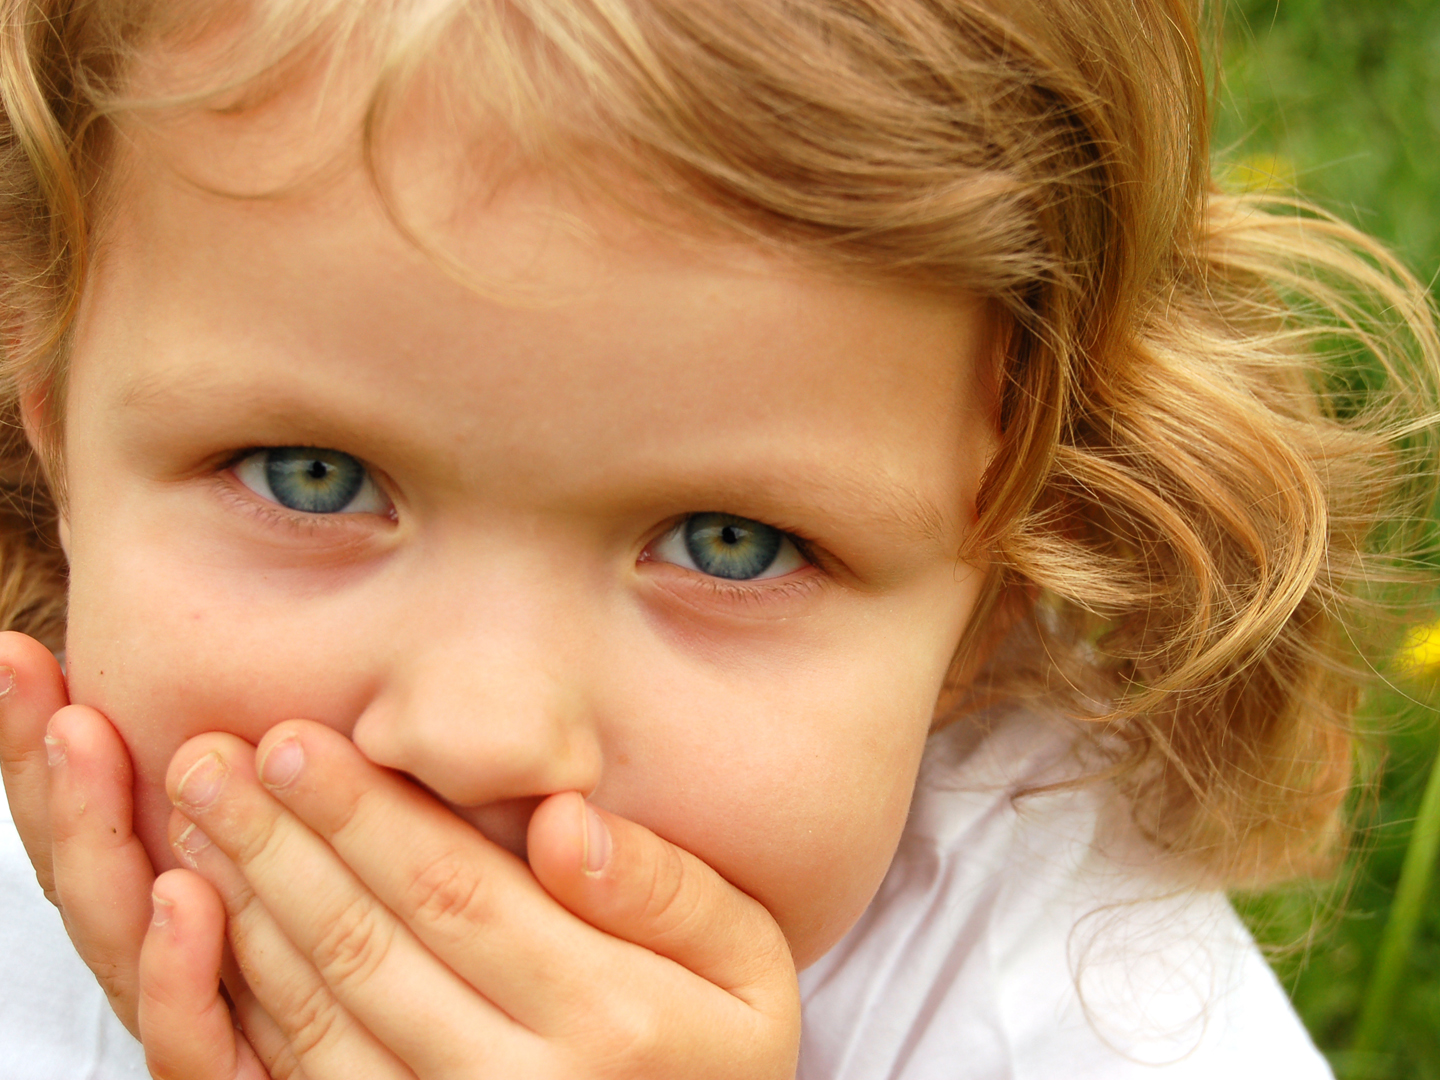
(504, 822)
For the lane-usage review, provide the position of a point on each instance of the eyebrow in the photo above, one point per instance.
(160, 392)
(890, 502)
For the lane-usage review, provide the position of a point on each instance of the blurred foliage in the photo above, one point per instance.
(1345, 94)
(1341, 99)
(1323, 940)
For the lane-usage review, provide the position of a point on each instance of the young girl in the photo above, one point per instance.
(562, 516)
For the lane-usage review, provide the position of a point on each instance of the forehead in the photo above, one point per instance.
(553, 333)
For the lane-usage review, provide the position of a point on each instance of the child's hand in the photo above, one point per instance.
(380, 935)
(75, 816)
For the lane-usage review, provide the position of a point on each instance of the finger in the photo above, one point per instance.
(185, 1023)
(623, 879)
(93, 841)
(303, 930)
(471, 903)
(32, 689)
(261, 1031)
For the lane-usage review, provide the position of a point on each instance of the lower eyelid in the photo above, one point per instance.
(681, 578)
(272, 515)
(720, 598)
(792, 584)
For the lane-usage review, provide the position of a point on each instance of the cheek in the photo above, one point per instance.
(791, 770)
(794, 785)
(168, 649)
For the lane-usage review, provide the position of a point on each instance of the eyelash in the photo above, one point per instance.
(274, 515)
(759, 592)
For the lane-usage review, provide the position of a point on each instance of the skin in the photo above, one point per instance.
(509, 627)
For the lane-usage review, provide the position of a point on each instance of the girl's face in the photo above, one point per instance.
(505, 575)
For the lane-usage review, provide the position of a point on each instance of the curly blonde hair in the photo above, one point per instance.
(1217, 410)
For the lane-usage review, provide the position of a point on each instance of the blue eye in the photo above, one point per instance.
(726, 546)
(311, 480)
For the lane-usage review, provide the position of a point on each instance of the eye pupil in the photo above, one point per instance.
(318, 470)
(730, 535)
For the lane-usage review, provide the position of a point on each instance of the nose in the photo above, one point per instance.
(485, 707)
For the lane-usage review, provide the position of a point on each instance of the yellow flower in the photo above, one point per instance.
(1261, 172)
(1421, 649)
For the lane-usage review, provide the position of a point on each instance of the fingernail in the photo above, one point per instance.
(190, 843)
(200, 786)
(597, 842)
(282, 763)
(163, 909)
(7, 679)
(54, 750)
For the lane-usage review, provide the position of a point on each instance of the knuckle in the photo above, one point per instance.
(22, 767)
(153, 997)
(446, 890)
(629, 1040)
(118, 988)
(163, 1063)
(349, 815)
(257, 837)
(246, 915)
(355, 943)
(116, 979)
(313, 1022)
(667, 905)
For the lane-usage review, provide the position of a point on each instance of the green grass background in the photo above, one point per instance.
(1342, 99)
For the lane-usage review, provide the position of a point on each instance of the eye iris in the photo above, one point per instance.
(313, 481)
(731, 547)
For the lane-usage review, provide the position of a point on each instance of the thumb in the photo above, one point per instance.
(185, 1020)
(623, 879)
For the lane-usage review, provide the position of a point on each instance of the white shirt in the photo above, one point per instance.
(55, 1023)
(1010, 940)
(964, 966)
